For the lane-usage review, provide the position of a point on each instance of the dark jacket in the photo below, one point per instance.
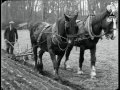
(11, 35)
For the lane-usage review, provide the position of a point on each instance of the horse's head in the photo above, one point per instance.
(110, 27)
(71, 27)
(110, 23)
(111, 8)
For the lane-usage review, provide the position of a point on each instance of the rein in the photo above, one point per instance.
(54, 34)
(59, 44)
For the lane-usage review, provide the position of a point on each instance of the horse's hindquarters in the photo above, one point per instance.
(43, 42)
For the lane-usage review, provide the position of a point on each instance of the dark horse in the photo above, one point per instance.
(53, 39)
(88, 38)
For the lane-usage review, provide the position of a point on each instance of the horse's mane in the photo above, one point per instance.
(60, 23)
(96, 19)
(100, 16)
(33, 25)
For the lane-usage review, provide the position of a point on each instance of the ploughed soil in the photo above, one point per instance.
(20, 75)
(16, 75)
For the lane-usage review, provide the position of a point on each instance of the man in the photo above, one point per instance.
(10, 36)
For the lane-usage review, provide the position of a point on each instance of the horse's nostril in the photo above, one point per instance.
(113, 38)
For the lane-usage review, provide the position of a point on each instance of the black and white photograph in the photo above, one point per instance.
(59, 45)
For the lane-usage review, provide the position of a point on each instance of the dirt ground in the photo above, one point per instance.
(15, 75)
(106, 65)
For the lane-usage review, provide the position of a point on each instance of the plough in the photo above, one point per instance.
(19, 53)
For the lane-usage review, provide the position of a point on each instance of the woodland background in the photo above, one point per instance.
(26, 11)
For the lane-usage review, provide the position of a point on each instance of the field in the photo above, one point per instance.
(106, 65)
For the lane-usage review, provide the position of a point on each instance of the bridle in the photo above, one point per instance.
(69, 35)
(61, 37)
(101, 34)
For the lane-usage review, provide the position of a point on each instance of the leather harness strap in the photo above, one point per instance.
(55, 28)
(46, 26)
(88, 26)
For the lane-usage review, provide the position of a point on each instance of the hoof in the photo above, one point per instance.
(56, 75)
(93, 74)
(35, 68)
(40, 68)
(24, 62)
(57, 78)
(80, 72)
(68, 66)
(65, 66)
(41, 72)
(54, 72)
(93, 77)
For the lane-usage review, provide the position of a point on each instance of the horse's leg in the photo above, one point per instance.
(67, 56)
(93, 60)
(40, 64)
(59, 60)
(81, 59)
(53, 57)
(35, 56)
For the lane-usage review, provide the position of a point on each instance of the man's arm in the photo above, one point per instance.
(5, 33)
(16, 33)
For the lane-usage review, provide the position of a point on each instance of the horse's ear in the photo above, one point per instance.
(76, 16)
(66, 17)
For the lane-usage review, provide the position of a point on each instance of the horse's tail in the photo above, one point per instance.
(30, 26)
(32, 29)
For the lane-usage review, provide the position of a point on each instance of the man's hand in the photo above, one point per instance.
(16, 40)
(5, 40)
(101, 38)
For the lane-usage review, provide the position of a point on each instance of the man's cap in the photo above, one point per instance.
(11, 22)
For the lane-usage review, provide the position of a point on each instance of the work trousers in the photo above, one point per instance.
(9, 47)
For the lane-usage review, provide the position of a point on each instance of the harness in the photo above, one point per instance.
(101, 34)
(70, 36)
(92, 35)
(47, 26)
(88, 26)
(55, 36)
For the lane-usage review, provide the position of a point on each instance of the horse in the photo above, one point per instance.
(102, 24)
(53, 38)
